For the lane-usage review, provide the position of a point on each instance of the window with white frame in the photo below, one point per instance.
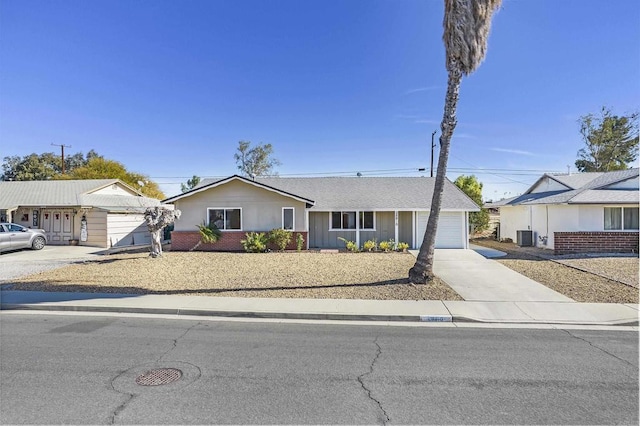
(347, 221)
(618, 218)
(226, 219)
(367, 220)
(288, 221)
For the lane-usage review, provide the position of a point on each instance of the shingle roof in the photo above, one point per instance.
(63, 193)
(609, 196)
(576, 181)
(593, 190)
(376, 193)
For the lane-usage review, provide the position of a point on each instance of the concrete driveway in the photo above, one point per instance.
(25, 262)
(477, 278)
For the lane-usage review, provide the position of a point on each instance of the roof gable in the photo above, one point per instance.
(357, 193)
(547, 183)
(610, 187)
(204, 186)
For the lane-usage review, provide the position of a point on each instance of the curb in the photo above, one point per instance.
(302, 315)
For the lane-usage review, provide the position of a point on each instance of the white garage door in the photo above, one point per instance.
(451, 233)
(127, 230)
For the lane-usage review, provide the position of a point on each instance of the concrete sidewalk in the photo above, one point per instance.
(476, 278)
(508, 312)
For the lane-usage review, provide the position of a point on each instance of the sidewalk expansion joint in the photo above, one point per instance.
(367, 390)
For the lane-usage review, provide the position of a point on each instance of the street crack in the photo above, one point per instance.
(175, 341)
(121, 407)
(601, 349)
(367, 390)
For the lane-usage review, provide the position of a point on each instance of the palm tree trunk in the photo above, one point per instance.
(422, 271)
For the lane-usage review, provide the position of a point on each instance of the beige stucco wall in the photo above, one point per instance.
(96, 229)
(261, 209)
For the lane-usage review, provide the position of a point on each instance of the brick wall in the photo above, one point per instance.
(595, 242)
(230, 241)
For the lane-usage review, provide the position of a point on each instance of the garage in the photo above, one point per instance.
(127, 229)
(451, 232)
(95, 212)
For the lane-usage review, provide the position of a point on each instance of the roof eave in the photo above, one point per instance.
(307, 201)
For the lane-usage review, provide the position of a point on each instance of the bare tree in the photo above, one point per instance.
(157, 219)
(466, 30)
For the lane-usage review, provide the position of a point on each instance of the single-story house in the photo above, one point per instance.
(94, 212)
(322, 209)
(572, 213)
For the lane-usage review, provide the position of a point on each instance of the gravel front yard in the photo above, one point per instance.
(599, 279)
(379, 276)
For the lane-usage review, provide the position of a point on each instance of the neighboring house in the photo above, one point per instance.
(101, 212)
(584, 212)
(322, 210)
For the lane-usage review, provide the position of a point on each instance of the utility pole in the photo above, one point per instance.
(63, 146)
(433, 145)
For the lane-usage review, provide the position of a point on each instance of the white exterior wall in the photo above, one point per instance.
(512, 219)
(562, 218)
(539, 225)
(590, 218)
(544, 220)
(548, 185)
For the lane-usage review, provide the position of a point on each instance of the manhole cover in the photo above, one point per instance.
(157, 377)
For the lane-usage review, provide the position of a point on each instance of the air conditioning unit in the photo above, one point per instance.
(524, 238)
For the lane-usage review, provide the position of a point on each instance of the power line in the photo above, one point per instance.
(475, 169)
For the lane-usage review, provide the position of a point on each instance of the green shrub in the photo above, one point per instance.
(209, 234)
(299, 242)
(387, 246)
(370, 245)
(280, 237)
(403, 246)
(256, 242)
(351, 245)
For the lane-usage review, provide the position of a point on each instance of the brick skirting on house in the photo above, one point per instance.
(595, 242)
(230, 241)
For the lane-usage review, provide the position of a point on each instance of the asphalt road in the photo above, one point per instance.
(82, 369)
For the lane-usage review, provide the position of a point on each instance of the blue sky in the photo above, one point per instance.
(169, 88)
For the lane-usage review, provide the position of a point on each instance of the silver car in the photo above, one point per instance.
(14, 237)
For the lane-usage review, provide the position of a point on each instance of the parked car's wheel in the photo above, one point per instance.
(38, 243)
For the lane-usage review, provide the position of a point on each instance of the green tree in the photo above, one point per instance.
(611, 142)
(256, 161)
(101, 168)
(30, 167)
(466, 30)
(42, 166)
(471, 186)
(191, 183)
